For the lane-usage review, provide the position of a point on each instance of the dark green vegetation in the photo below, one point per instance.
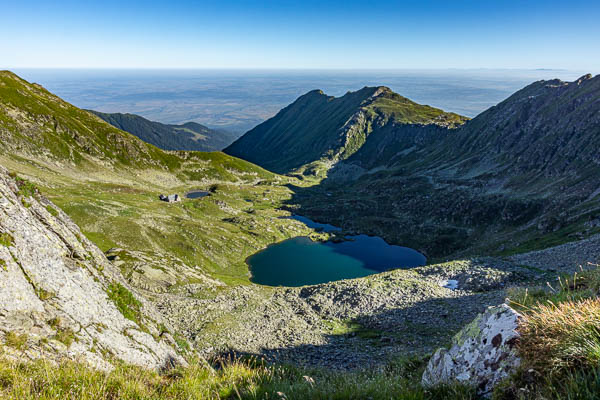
(125, 302)
(6, 239)
(520, 176)
(15, 340)
(320, 127)
(188, 136)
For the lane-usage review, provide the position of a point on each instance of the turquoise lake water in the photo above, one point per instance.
(300, 261)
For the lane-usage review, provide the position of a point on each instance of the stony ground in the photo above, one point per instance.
(566, 258)
(60, 298)
(347, 324)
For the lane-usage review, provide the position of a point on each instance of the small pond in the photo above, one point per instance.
(196, 194)
(300, 261)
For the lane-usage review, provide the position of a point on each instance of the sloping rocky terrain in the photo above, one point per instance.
(60, 297)
(346, 324)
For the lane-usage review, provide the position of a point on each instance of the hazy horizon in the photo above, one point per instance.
(237, 100)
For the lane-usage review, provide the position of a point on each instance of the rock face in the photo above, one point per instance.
(59, 293)
(481, 354)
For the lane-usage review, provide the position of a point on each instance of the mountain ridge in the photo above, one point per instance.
(496, 184)
(190, 136)
(320, 127)
(41, 127)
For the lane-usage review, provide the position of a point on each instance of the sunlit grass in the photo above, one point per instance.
(562, 335)
(229, 380)
(560, 340)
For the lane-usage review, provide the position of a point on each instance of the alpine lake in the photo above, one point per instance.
(301, 261)
(197, 194)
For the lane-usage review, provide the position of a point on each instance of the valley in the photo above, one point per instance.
(490, 215)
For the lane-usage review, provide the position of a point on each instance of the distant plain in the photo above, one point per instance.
(237, 100)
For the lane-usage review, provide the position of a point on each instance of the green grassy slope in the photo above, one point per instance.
(37, 123)
(108, 181)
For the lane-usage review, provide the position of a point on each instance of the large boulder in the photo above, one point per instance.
(59, 295)
(482, 354)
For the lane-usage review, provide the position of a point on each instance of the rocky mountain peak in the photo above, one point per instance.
(380, 90)
(318, 127)
(584, 78)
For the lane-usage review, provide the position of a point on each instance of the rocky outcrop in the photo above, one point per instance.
(59, 295)
(482, 353)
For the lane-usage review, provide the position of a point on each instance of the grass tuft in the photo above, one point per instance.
(65, 335)
(52, 211)
(25, 187)
(6, 239)
(15, 340)
(560, 340)
(561, 335)
(44, 294)
(126, 302)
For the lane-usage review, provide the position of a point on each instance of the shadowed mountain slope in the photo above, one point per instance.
(522, 175)
(320, 127)
(188, 136)
(549, 127)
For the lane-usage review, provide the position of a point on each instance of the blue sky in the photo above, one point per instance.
(301, 34)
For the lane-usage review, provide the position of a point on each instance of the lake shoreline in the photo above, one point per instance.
(309, 262)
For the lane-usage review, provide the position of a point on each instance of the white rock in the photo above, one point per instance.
(482, 354)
